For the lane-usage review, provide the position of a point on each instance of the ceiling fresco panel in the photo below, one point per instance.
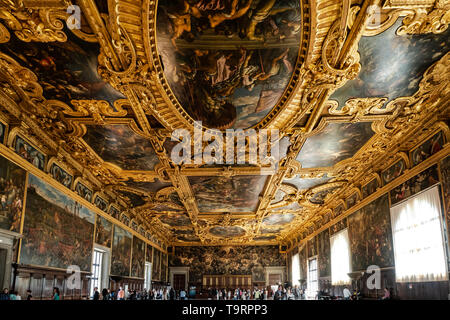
(393, 65)
(66, 70)
(227, 194)
(120, 145)
(228, 62)
(337, 142)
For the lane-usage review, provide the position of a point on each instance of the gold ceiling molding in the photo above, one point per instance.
(419, 17)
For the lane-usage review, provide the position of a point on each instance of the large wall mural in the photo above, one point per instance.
(214, 260)
(121, 252)
(66, 70)
(228, 62)
(323, 243)
(12, 189)
(223, 194)
(338, 141)
(121, 146)
(371, 236)
(57, 230)
(138, 257)
(392, 66)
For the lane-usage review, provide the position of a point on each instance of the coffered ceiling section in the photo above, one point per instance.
(344, 82)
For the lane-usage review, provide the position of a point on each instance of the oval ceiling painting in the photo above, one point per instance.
(228, 62)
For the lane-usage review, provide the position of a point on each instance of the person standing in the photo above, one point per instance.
(347, 294)
(5, 294)
(96, 294)
(29, 296)
(55, 293)
(182, 294)
(121, 294)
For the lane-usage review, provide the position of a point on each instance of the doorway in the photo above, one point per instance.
(179, 281)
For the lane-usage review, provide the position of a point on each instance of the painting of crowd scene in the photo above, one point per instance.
(370, 235)
(233, 260)
(57, 230)
(66, 70)
(12, 189)
(228, 61)
(312, 247)
(103, 231)
(393, 65)
(227, 194)
(427, 149)
(421, 181)
(445, 172)
(83, 191)
(61, 175)
(121, 252)
(29, 153)
(121, 146)
(138, 258)
(323, 242)
(156, 267)
(100, 203)
(337, 142)
(393, 172)
(369, 188)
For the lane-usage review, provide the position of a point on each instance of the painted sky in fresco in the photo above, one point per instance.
(392, 65)
(121, 146)
(337, 142)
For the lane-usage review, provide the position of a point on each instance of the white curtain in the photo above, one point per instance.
(295, 269)
(340, 258)
(418, 238)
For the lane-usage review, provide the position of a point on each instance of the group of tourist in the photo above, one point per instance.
(121, 294)
(13, 295)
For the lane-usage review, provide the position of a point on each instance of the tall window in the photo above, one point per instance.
(295, 269)
(340, 258)
(148, 276)
(418, 238)
(96, 270)
(313, 284)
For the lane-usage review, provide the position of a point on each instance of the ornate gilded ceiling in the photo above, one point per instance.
(350, 85)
